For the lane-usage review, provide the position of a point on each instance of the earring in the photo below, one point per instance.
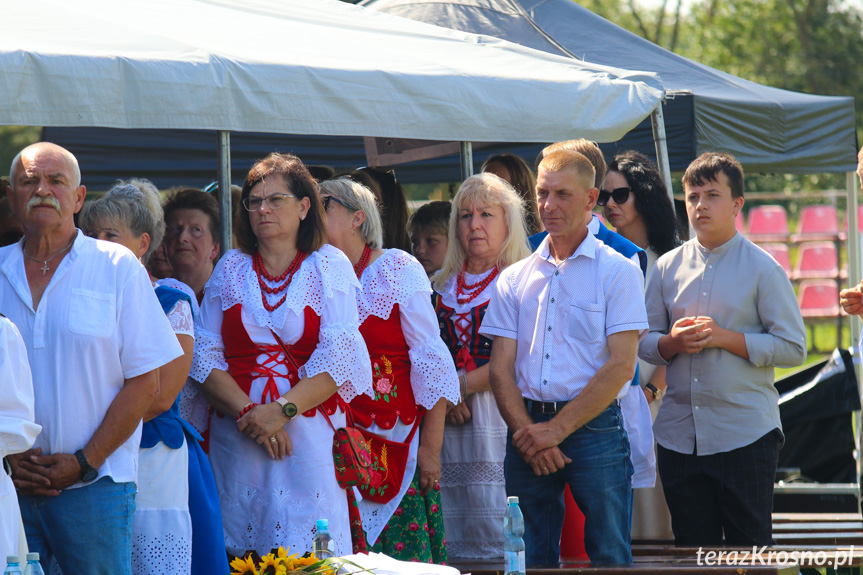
(302, 217)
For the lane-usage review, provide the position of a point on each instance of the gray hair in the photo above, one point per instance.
(135, 204)
(361, 199)
(70, 159)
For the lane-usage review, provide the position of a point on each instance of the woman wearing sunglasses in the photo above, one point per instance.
(279, 330)
(635, 201)
(413, 377)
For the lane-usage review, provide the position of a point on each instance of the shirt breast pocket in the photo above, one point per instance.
(92, 313)
(587, 321)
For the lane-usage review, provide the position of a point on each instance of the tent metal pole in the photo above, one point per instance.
(225, 212)
(465, 157)
(853, 250)
(657, 121)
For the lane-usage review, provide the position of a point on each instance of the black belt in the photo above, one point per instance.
(543, 407)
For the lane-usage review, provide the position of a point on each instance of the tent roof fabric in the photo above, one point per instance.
(318, 67)
(767, 129)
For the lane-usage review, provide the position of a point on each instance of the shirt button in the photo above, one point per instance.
(552, 300)
(546, 356)
(696, 407)
(557, 272)
(695, 380)
(710, 267)
(545, 382)
(704, 293)
(549, 328)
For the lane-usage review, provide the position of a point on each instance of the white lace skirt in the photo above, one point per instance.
(162, 527)
(473, 492)
(268, 503)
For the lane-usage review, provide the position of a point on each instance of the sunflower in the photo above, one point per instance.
(269, 565)
(244, 566)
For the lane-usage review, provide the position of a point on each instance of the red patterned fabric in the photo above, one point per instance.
(242, 356)
(391, 372)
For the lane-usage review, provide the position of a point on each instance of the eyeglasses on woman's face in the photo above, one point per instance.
(274, 201)
(328, 199)
(619, 195)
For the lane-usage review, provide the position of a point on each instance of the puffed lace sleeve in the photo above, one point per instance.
(209, 347)
(433, 373)
(341, 350)
(17, 428)
(180, 318)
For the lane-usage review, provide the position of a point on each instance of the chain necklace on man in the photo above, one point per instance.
(44, 263)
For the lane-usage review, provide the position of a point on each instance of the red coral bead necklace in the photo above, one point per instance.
(364, 261)
(466, 293)
(261, 272)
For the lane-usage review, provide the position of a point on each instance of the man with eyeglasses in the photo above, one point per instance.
(722, 315)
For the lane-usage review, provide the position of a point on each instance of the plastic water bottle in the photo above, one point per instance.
(323, 544)
(513, 545)
(13, 566)
(33, 566)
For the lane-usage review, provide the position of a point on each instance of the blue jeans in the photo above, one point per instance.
(88, 529)
(600, 480)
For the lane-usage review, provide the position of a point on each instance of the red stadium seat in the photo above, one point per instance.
(819, 298)
(816, 260)
(768, 224)
(817, 223)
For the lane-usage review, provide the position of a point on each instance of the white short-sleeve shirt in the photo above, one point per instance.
(98, 323)
(562, 314)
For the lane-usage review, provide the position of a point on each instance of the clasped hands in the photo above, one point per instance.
(265, 425)
(537, 443)
(692, 334)
(45, 475)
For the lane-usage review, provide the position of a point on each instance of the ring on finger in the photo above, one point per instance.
(252, 436)
(272, 440)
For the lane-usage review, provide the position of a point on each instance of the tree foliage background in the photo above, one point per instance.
(812, 46)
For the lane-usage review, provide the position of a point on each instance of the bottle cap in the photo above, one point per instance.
(322, 525)
(512, 499)
(32, 557)
(11, 559)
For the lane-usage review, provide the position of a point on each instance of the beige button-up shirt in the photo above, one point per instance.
(717, 401)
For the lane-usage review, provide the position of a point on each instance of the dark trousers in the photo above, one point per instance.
(729, 492)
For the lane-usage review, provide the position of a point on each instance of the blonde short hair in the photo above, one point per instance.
(570, 161)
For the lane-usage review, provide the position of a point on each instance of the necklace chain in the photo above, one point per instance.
(44, 263)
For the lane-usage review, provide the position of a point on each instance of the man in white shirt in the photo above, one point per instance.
(566, 323)
(95, 337)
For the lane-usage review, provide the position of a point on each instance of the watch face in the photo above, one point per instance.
(90, 475)
(290, 410)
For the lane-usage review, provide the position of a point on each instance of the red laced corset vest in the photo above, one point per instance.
(242, 355)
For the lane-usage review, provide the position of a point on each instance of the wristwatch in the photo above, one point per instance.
(88, 472)
(657, 393)
(289, 409)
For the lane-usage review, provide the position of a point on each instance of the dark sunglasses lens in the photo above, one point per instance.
(603, 198)
(620, 195)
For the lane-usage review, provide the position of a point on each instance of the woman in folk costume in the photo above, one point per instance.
(412, 375)
(276, 349)
(486, 234)
(177, 519)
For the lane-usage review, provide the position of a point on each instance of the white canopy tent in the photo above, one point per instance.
(303, 67)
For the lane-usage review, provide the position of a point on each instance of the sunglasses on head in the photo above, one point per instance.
(619, 195)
